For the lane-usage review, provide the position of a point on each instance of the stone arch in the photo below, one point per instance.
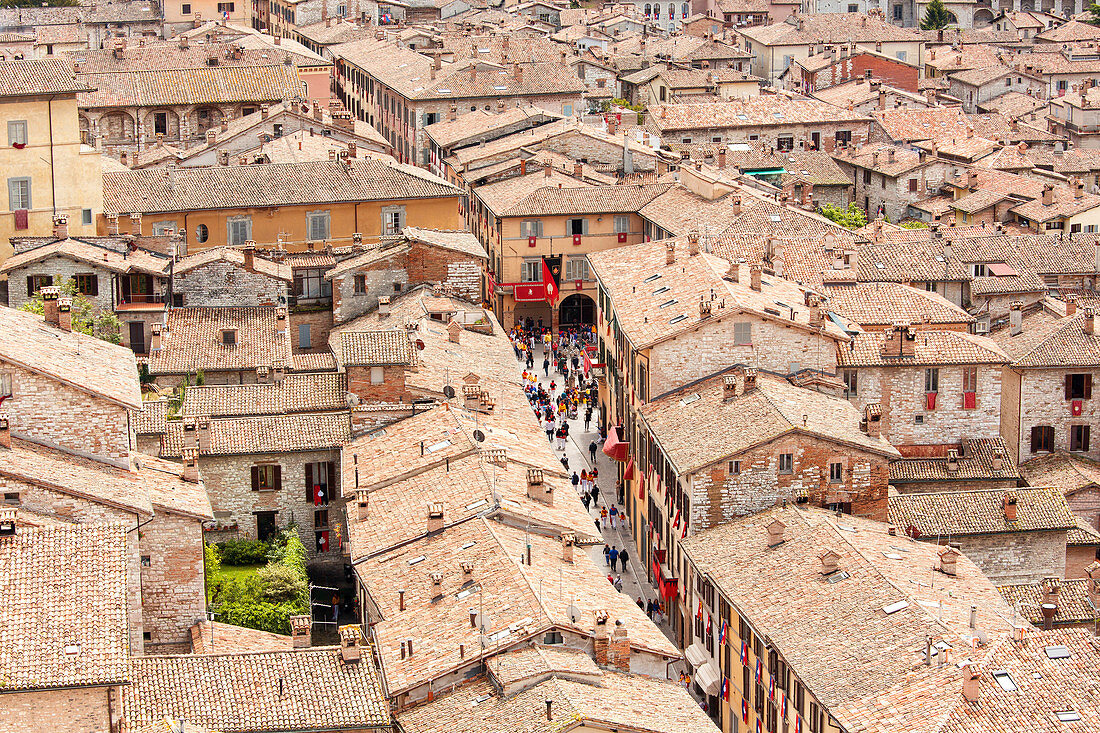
(117, 127)
(163, 120)
(983, 17)
(206, 118)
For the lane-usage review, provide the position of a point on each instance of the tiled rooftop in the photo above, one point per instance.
(953, 513)
(931, 347)
(193, 340)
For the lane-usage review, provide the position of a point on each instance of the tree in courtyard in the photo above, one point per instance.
(85, 318)
(936, 16)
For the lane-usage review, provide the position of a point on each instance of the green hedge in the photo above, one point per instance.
(257, 603)
(273, 617)
(243, 552)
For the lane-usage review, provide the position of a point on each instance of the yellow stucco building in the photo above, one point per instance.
(47, 171)
(290, 204)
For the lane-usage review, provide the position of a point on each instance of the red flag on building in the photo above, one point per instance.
(548, 280)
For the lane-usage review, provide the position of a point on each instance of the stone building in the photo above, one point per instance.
(1013, 535)
(888, 179)
(455, 260)
(228, 276)
(933, 387)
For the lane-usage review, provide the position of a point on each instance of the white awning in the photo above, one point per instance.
(696, 654)
(707, 678)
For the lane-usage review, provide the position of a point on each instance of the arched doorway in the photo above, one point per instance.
(577, 310)
(983, 18)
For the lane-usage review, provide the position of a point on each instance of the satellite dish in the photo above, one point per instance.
(449, 392)
(574, 612)
(479, 436)
(420, 344)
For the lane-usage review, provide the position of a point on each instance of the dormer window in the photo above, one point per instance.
(229, 337)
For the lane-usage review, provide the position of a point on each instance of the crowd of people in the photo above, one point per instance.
(571, 395)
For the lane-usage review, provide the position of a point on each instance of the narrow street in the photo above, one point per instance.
(635, 583)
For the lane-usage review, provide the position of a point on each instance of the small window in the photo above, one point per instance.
(786, 463)
(851, 383)
(1079, 438)
(977, 269)
(86, 216)
(12, 497)
(577, 226)
(303, 336)
(742, 333)
(225, 8)
(1078, 386)
(576, 268)
(36, 283)
(229, 337)
(531, 271)
(5, 384)
(1042, 439)
(19, 194)
(17, 132)
(932, 380)
(264, 478)
(185, 9)
(239, 230)
(360, 284)
(734, 468)
(622, 224)
(836, 473)
(87, 284)
(970, 379)
(530, 228)
(397, 285)
(853, 8)
(377, 375)
(202, 233)
(317, 225)
(913, 182)
(393, 219)
(1005, 681)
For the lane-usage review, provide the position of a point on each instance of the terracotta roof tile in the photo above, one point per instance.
(932, 348)
(376, 348)
(267, 434)
(886, 303)
(1069, 472)
(38, 77)
(311, 392)
(193, 340)
(975, 463)
(981, 512)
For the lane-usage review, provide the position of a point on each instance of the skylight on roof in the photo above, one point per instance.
(689, 399)
(678, 318)
(662, 289)
(667, 303)
(500, 87)
(895, 606)
(838, 576)
(775, 217)
(880, 266)
(510, 503)
(468, 545)
(441, 90)
(438, 446)
(1067, 716)
(891, 555)
(1057, 652)
(1005, 681)
(477, 504)
(463, 593)
(418, 559)
(481, 698)
(651, 278)
(742, 117)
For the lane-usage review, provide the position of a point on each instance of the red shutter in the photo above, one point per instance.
(278, 478)
(255, 478)
(310, 493)
(1069, 386)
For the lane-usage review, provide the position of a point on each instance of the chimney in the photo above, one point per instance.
(1009, 502)
(618, 653)
(280, 320)
(998, 458)
(112, 230)
(362, 500)
(549, 709)
(829, 562)
(135, 224)
(872, 418)
(971, 682)
(202, 430)
(185, 42)
(1078, 188)
(1048, 195)
(1015, 318)
(670, 253)
(265, 111)
(537, 489)
(775, 533)
(547, 169)
(732, 386)
(350, 640)
(948, 558)
(952, 461)
(567, 543)
(578, 169)
(454, 331)
(452, 113)
(5, 430)
(249, 252)
(435, 517)
(437, 586)
(467, 568)
(190, 464)
(1071, 305)
(384, 305)
(61, 226)
(65, 313)
(693, 243)
(754, 277)
(1092, 572)
(353, 149)
(1049, 611)
(300, 628)
(1052, 590)
(50, 294)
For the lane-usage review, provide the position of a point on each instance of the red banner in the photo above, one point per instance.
(548, 281)
(526, 292)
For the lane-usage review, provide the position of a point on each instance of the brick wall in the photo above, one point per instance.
(893, 73)
(718, 496)
(1086, 504)
(900, 391)
(319, 321)
(1079, 558)
(711, 347)
(228, 481)
(172, 588)
(49, 410)
(1043, 402)
(1017, 557)
(221, 283)
(437, 265)
(79, 710)
(392, 388)
(61, 268)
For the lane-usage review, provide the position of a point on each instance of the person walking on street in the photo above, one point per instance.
(641, 604)
(619, 583)
(623, 557)
(614, 556)
(586, 499)
(546, 365)
(587, 419)
(595, 494)
(335, 608)
(614, 515)
(607, 553)
(576, 481)
(592, 452)
(603, 517)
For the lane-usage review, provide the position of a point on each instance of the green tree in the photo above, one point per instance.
(212, 563)
(936, 16)
(85, 318)
(1094, 9)
(851, 217)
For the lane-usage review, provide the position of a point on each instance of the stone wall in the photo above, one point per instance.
(1016, 557)
(172, 581)
(62, 269)
(221, 283)
(392, 388)
(717, 496)
(48, 410)
(1043, 402)
(319, 321)
(710, 348)
(228, 481)
(900, 392)
(73, 710)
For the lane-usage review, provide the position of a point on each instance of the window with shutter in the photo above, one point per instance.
(1042, 439)
(318, 225)
(309, 483)
(255, 478)
(1078, 386)
(277, 484)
